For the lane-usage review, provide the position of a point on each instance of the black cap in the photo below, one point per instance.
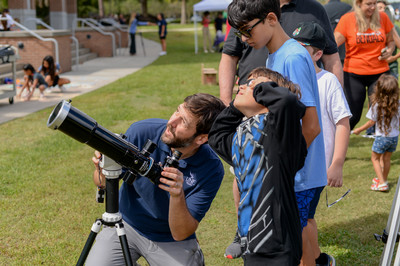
(310, 33)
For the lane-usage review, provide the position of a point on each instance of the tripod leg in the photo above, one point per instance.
(392, 228)
(124, 243)
(89, 242)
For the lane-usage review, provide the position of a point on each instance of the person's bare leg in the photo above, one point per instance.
(375, 159)
(63, 81)
(307, 259)
(386, 165)
(312, 231)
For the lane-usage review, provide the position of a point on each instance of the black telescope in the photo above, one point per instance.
(85, 129)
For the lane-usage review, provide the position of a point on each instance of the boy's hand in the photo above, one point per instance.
(335, 176)
(356, 131)
(257, 81)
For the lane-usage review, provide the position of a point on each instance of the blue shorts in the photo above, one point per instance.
(304, 199)
(314, 202)
(384, 144)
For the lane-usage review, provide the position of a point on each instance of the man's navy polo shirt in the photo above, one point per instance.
(145, 207)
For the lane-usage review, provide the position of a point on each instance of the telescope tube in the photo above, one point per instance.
(85, 129)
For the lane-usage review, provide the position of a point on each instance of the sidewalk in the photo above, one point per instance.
(89, 76)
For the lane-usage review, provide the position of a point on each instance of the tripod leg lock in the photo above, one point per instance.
(96, 226)
(120, 229)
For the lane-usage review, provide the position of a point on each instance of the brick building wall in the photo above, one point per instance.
(35, 50)
(97, 42)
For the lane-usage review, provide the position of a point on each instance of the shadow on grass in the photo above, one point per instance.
(352, 242)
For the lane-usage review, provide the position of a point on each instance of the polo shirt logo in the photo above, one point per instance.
(190, 180)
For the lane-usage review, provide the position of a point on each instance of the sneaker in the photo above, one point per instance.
(48, 90)
(375, 180)
(163, 53)
(331, 261)
(234, 250)
(206, 51)
(383, 187)
(41, 97)
(62, 88)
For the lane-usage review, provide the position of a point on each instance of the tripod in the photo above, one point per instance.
(112, 216)
(390, 234)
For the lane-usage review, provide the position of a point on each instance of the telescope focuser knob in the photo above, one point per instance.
(173, 161)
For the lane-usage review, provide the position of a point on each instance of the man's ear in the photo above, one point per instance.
(201, 139)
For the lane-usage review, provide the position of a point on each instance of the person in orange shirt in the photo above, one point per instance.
(368, 36)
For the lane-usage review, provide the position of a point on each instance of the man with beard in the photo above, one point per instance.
(160, 221)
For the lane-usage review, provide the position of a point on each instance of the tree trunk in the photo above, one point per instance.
(143, 3)
(101, 8)
(183, 12)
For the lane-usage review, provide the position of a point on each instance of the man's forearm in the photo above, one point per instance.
(332, 64)
(181, 222)
(227, 72)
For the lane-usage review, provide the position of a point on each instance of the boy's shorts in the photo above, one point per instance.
(314, 202)
(384, 144)
(304, 199)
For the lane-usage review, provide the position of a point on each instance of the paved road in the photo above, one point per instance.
(87, 77)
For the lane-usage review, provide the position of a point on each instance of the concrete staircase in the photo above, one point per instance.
(85, 54)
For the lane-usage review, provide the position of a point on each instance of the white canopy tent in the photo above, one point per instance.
(207, 5)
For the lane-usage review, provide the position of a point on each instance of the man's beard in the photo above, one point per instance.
(176, 142)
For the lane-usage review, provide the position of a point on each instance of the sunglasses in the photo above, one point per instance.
(336, 201)
(246, 33)
(248, 83)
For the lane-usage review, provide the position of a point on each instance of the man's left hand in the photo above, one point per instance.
(173, 183)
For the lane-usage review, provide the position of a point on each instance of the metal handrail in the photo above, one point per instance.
(76, 50)
(47, 26)
(114, 24)
(39, 21)
(39, 37)
(92, 20)
(85, 21)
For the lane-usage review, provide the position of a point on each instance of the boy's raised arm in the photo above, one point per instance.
(223, 130)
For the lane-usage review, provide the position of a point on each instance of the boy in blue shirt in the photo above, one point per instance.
(258, 25)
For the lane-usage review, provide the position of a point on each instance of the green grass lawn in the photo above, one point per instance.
(47, 204)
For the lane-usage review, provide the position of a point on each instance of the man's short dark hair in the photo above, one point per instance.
(206, 108)
(241, 12)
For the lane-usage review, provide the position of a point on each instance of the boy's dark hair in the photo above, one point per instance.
(206, 13)
(241, 12)
(29, 67)
(276, 77)
(206, 108)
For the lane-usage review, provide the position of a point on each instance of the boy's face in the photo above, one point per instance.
(244, 100)
(257, 33)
